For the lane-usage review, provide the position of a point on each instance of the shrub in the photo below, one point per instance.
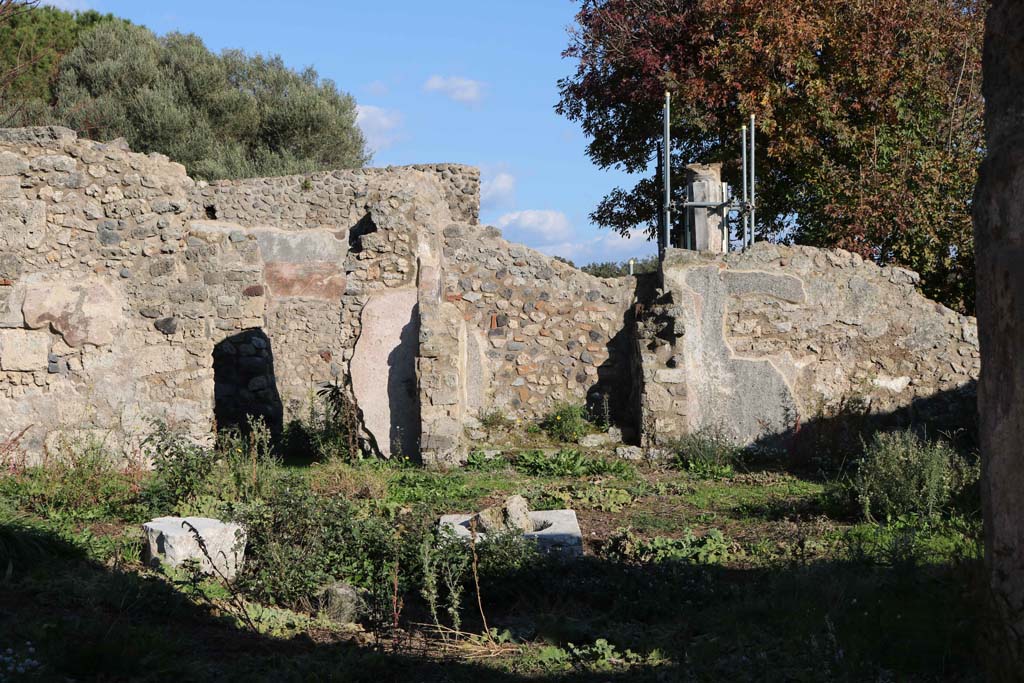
(329, 431)
(246, 466)
(298, 542)
(567, 422)
(181, 468)
(707, 453)
(902, 473)
(626, 546)
(494, 419)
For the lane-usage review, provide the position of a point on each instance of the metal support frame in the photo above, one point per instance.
(745, 207)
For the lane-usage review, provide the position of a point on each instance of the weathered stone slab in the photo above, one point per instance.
(555, 531)
(512, 515)
(23, 350)
(22, 223)
(171, 540)
(83, 312)
(383, 371)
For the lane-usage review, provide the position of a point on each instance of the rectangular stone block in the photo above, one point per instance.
(24, 350)
(670, 376)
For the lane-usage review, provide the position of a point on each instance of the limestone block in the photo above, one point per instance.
(22, 223)
(512, 515)
(87, 311)
(171, 540)
(383, 370)
(24, 350)
(11, 302)
(12, 164)
(555, 531)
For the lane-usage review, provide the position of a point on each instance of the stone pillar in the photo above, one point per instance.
(999, 238)
(440, 364)
(704, 184)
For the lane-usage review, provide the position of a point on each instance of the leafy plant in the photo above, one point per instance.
(181, 468)
(608, 499)
(569, 463)
(707, 454)
(902, 473)
(482, 462)
(626, 546)
(567, 422)
(602, 656)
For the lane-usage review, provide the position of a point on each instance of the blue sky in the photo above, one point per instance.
(467, 81)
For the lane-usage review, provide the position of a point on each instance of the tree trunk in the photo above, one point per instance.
(999, 236)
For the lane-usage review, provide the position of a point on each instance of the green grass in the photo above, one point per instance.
(746, 577)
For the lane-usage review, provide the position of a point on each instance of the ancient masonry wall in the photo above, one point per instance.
(129, 292)
(760, 343)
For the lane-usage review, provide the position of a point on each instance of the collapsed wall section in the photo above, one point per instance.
(761, 343)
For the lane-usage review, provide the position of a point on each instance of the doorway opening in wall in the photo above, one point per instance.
(245, 387)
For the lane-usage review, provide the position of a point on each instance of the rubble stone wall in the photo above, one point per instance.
(129, 291)
(540, 332)
(121, 279)
(758, 343)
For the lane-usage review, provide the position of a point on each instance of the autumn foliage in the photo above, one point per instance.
(869, 116)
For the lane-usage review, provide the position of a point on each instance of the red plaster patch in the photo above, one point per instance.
(313, 280)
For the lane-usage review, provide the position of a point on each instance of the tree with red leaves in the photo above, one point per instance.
(869, 117)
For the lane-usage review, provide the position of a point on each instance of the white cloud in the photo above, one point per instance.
(68, 5)
(498, 190)
(377, 88)
(464, 90)
(607, 246)
(380, 126)
(535, 226)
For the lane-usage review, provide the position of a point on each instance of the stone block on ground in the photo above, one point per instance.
(554, 531)
(512, 515)
(171, 540)
(342, 603)
(599, 440)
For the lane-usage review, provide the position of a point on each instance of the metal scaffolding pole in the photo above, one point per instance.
(746, 186)
(666, 168)
(753, 181)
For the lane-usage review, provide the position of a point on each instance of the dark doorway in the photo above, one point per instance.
(244, 382)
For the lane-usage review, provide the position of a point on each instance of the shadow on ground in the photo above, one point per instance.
(823, 621)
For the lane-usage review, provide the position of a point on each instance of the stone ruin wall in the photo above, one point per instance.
(128, 291)
(759, 343)
(122, 280)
